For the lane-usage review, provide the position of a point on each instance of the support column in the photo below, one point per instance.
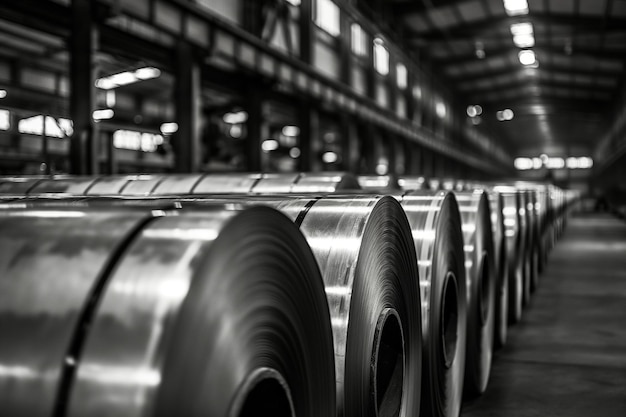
(309, 131)
(187, 98)
(83, 44)
(254, 128)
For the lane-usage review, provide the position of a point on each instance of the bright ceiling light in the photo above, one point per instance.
(507, 114)
(527, 57)
(524, 41)
(103, 114)
(269, 145)
(233, 118)
(516, 7)
(523, 36)
(3, 93)
(127, 77)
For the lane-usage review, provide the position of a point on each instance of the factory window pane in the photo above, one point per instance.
(5, 120)
(359, 40)
(402, 76)
(326, 16)
(381, 57)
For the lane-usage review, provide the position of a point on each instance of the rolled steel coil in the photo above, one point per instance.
(368, 261)
(514, 247)
(63, 184)
(364, 248)
(436, 228)
(325, 182)
(526, 228)
(17, 185)
(496, 203)
(481, 288)
(227, 183)
(213, 312)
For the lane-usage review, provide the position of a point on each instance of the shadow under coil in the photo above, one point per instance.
(436, 229)
(217, 312)
(515, 250)
(481, 285)
(366, 255)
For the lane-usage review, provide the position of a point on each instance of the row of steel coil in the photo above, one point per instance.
(311, 294)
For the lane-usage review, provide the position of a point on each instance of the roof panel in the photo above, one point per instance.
(592, 7)
(417, 23)
(443, 17)
(472, 10)
(561, 6)
(536, 6)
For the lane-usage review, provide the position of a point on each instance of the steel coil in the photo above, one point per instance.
(50, 264)
(325, 182)
(364, 248)
(63, 184)
(227, 183)
(436, 228)
(481, 285)
(514, 247)
(496, 203)
(217, 312)
(17, 185)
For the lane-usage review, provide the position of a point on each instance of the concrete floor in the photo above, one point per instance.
(567, 357)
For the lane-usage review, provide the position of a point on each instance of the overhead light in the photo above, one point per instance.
(127, 77)
(291, 131)
(269, 145)
(527, 57)
(236, 117)
(480, 50)
(3, 93)
(516, 7)
(475, 110)
(169, 128)
(330, 157)
(523, 36)
(103, 114)
(295, 153)
(504, 115)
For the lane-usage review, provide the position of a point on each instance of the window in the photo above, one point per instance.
(381, 57)
(402, 76)
(5, 119)
(326, 16)
(358, 40)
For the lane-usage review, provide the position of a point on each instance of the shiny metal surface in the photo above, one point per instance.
(68, 185)
(18, 185)
(50, 262)
(109, 185)
(180, 184)
(436, 228)
(496, 203)
(275, 183)
(481, 285)
(513, 232)
(141, 185)
(204, 307)
(227, 183)
(367, 258)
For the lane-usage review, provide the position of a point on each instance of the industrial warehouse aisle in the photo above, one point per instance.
(568, 355)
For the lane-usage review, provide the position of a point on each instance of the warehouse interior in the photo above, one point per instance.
(455, 94)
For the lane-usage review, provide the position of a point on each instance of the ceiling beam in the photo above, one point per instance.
(589, 53)
(544, 68)
(494, 23)
(521, 91)
(541, 83)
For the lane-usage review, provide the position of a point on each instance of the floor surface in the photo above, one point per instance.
(567, 357)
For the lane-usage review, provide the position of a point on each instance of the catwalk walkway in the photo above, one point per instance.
(567, 358)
